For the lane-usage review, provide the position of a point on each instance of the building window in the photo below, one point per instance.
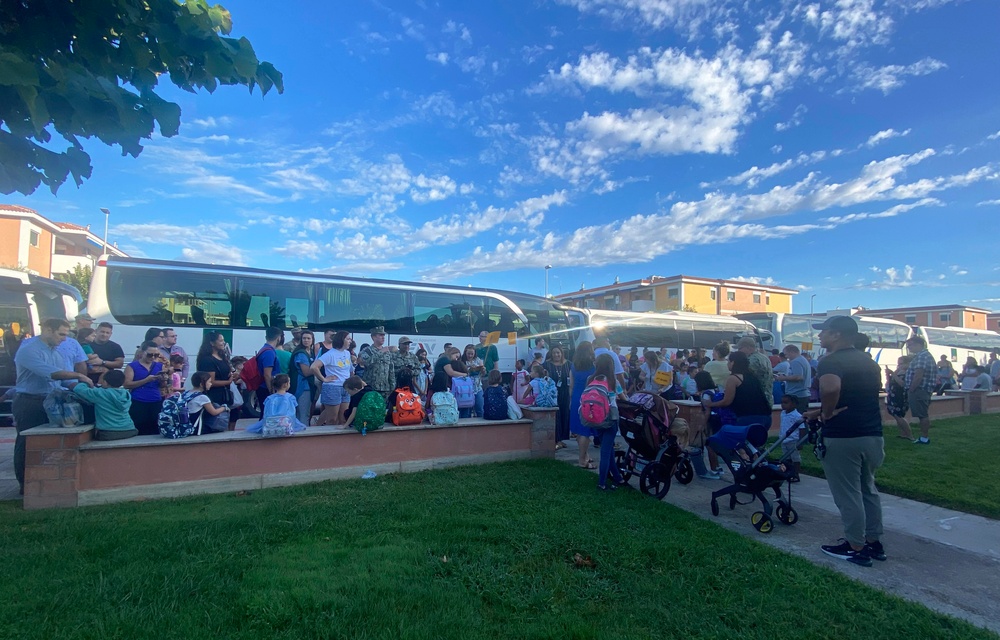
(712, 294)
(731, 296)
(945, 317)
(911, 319)
(767, 298)
(973, 317)
(33, 238)
(756, 298)
(673, 292)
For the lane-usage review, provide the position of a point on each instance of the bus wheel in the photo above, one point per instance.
(251, 406)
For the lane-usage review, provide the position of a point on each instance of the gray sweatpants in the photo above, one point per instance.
(849, 465)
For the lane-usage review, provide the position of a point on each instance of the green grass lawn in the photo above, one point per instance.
(474, 552)
(954, 471)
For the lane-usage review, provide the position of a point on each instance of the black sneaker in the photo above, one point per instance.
(844, 551)
(875, 551)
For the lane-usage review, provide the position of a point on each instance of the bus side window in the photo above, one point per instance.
(141, 297)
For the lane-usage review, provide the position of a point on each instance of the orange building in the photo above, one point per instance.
(684, 293)
(949, 315)
(43, 247)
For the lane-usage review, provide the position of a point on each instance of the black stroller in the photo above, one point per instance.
(643, 422)
(753, 472)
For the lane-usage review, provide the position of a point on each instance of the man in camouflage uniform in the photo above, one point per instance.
(403, 359)
(377, 359)
(760, 367)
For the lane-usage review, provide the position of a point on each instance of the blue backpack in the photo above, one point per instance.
(445, 408)
(464, 392)
(494, 404)
(546, 394)
(174, 421)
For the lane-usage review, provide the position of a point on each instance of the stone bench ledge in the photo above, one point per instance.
(232, 436)
(55, 430)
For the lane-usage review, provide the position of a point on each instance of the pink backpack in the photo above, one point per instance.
(595, 404)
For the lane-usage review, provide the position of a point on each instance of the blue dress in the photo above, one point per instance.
(579, 384)
(279, 406)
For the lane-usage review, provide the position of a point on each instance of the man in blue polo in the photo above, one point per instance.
(40, 369)
(849, 386)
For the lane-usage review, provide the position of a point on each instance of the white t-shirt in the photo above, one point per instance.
(196, 404)
(619, 370)
(337, 362)
(788, 421)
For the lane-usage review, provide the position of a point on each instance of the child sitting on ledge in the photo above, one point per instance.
(111, 404)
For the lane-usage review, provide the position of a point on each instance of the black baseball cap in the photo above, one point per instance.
(844, 325)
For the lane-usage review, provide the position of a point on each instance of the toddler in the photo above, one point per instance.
(789, 446)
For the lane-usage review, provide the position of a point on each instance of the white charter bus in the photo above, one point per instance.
(241, 302)
(958, 344)
(652, 330)
(888, 337)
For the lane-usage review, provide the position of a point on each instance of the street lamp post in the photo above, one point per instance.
(547, 267)
(107, 214)
(812, 299)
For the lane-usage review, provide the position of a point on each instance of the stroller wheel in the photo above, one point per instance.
(761, 522)
(684, 472)
(655, 480)
(715, 507)
(621, 461)
(786, 514)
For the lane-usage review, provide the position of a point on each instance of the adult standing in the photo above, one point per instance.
(849, 386)
(561, 371)
(945, 378)
(174, 349)
(83, 321)
(284, 356)
(760, 367)
(40, 368)
(305, 380)
(583, 368)
(444, 371)
(402, 359)
(143, 378)
(798, 379)
(920, 376)
(488, 354)
(539, 349)
(268, 363)
(603, 345)
(376, 358)
(651, 366)
(742, 394)
(718, 367)
(110, 353)
(994, 365)
(333, 368)
(213, 358)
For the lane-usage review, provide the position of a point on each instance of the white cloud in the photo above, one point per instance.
(884, 135)
(440, 57)
(794, 121)
(754, 175)
(201, 243)
(993, 136)
(688, 15)
(986, 203)
(890, 77)
(211, 122)
(755, 280)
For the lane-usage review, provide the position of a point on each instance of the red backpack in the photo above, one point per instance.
(251, 374)
(407, 409)
(595, 404)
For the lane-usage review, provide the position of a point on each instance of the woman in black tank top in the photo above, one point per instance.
(742, 395)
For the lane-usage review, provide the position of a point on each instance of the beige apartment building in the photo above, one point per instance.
(33, 242)
(680, 293)
(949, 315)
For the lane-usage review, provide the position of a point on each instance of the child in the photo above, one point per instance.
(521, 385)
(357, 389)
(542, 387)
(789, 446)
(280, 411)
(176, 379)
(200, 406)
(494, 399)
(111, 405)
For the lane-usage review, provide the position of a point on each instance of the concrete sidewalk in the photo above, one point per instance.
(946, 560)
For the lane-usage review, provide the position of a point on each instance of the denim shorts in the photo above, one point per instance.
(334, 394)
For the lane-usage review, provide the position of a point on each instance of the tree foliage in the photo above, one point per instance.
(79, 277)
(87, 69)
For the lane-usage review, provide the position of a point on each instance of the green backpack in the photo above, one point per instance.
(370, 415)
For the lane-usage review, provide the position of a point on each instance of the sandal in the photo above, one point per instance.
(607, 487)
(560, 445)
(589, 465)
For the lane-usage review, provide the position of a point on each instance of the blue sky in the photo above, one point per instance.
(848, 148)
